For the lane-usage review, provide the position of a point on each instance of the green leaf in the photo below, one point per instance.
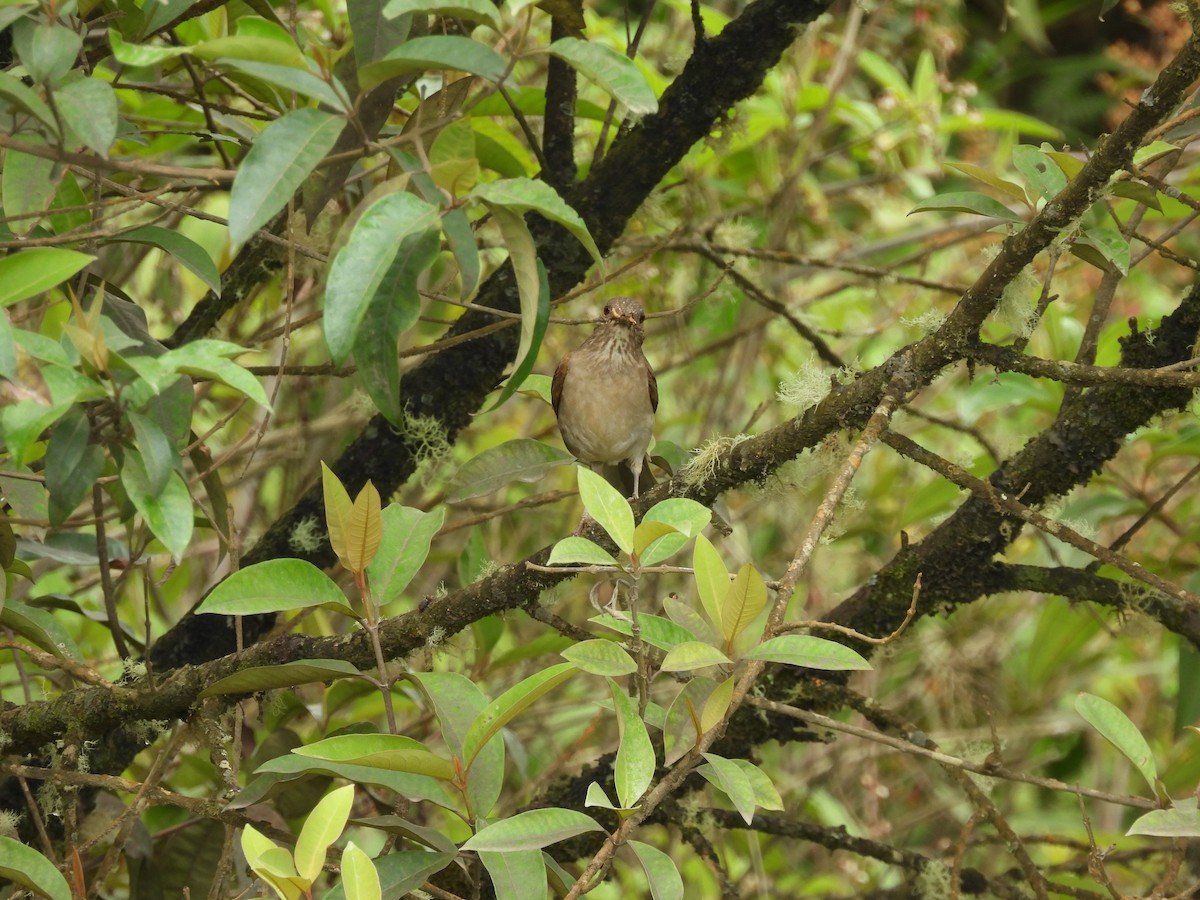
(399, 873)
(523, 459)
(810, 652)
(533, 291)
(524, 195)
(254, 679)
(661, 871)
(276, 585)
(1168, 823)
(39, 627)
(190, 254)
(407, 536)
(511, 704)
(360, 881)
(392, 310)
(280, 159)
(206, 358)
(337, 512)
(168, 511)
(683, 717)
(1110, 244)
(322, 827)
(687, 517)
(89, 107)
(600, 657)
(968, 202)
(729, 777)
(605, 504)
(253, 48)
(766, 795)
(656, 631)
(575, 550)
(139, 55)
(158, 14)
(364, 529)
(634, 768)
(515, 874)
(475, 10)
(458, 701)
(531, 830)
(393, 752)
(744, 600)
(692, 655)
(1039, 170)
(712, 579)
(29, 185)
(617, 75)
(73, 464)
(1116, 727)
(290, 78)
(647, 533)
(47, 51)
(360, 267)
(435, 52)
(28, 869)
(375, 35)
(291, 767)
(716, 705)
(14, 93)
(1008, 188)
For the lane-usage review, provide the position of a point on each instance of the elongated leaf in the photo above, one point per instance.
(617, 75)
(515, 874)
(712, 579)
(251, 47)
(1120, 732)
(716, 705)
(1171, 823)
(291, 767)
(361, 265)
(661, 872)
(400, 873)
(766, 796)
(89, 107)
(1008, 188)
(634, 768)
(270, 678)
(1039, 170)
(381, 751)
(40, 628)
(47, 50)
(600, 657)
(274, 586)
(605, 504)
(190, 254)
(360, 881)
(364, 528)
(968, 202)
(72, 464)
(291, 78)
(533, 290)
(692, 655)
(683, 719)
(29, 869)
(744, 600)
(407, 536)
(207, 358)
(687, 517)
(575, 550)
(167, 511)
(435, 52)
(475, 10)
(29, 186)
(392, 310)
(656, 631)
(729, 777)
(810, 652)
(138, 55)
(280, 159)
(523, 459)
(511, 704)
(532, 830)
(321, 829)
(14, 93)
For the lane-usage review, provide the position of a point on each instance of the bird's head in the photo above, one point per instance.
(624, 311)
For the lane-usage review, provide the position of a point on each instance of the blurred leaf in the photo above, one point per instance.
(656, 631)
(14, 93)
(40, 628)
(691, 655)
(683, 717)
(73, 464)
(1168, 823)
(475, 10)
(523, 459)
(364, 529)
(381, 751)
(435, 52)
(337, 513)
(744, 599)
(968, 202)
(360, 881)
(716, 705)
(47, 50)
(712, 579)
(190, 254)
(207, 358)
(168, 510)
(575, 550)
(1116, 727)
(140, 55)
(401, 873)
(89, 108)
(28, 185)
(525, 195)
(27, 868)
(729, 777)
(1039, 170)
(407, 536)
(255, 679)
(617, 75)
(322, 827)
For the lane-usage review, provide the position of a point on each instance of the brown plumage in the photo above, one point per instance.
(605, 396)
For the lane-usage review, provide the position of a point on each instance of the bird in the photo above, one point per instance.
(605, 395)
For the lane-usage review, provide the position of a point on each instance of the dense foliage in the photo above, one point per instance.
(293, 603)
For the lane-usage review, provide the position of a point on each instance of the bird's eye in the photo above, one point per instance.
(607, 309)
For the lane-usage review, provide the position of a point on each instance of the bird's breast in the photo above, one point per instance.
(605, 414)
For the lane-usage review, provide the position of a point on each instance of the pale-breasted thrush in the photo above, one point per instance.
(605, 395)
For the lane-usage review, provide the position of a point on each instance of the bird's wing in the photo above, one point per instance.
(556, 386)
(653, 385)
